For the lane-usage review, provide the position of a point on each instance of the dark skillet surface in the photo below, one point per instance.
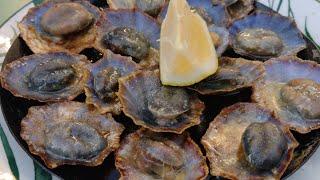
(14, 109)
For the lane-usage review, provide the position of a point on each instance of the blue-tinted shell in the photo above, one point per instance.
(268, 90)
(134, 19)
(149, 155)
(240, 9)
(138, 94)
(123, 65)
(121, 4)
(40, 41)
(70, 133)
(150, 7)
(15, 76)
(224, 39)
(223, 143)
(138, 21)
(217, 13)
(291, 37)
(233, 75)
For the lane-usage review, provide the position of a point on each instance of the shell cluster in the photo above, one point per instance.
(245, 141)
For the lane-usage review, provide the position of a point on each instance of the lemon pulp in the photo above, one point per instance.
(187, 53)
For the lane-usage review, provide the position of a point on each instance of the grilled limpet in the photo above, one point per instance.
(291, 89)
(149, 155)
(233, 75)
(212, 14)
(60, 25)
(259, 36)
(246, 142)
(103, 85)
(152, 7)
(46, 77)
(70, 133)
(154, 106)
(130, 32)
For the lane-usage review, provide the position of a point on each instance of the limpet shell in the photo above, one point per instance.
(279, 73)
(47, 72)
(240, 9)
(288, 33)
(40, 41)
(223, 38)
(70, 133)
(233, 74)
(223, 143)
(138, 94)
(212, 14)
(137, 21)
(150, 7)
(123, 65)
(149, 155)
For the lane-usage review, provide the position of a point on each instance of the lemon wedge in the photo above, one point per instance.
(187, 53)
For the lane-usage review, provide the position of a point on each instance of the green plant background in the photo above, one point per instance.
(273, 4)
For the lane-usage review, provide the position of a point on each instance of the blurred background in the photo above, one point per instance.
(8, 7)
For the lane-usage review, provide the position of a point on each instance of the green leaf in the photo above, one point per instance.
(279, 5)
(318, 1)
(10, 156)
(270, 3)
(37, 2)
(40, 174)
(309, 36)
(290, 12)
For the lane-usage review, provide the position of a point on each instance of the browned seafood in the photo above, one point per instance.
(70, 133)
(60, 25)
(259, 36)
(148, 155)
(157, 107)
(46, 77)
(239, 9)
(233, 74)
(246, 142)
(212, 14)
(152, 7)
(291, 88)
(103, 83)
(130, 33)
